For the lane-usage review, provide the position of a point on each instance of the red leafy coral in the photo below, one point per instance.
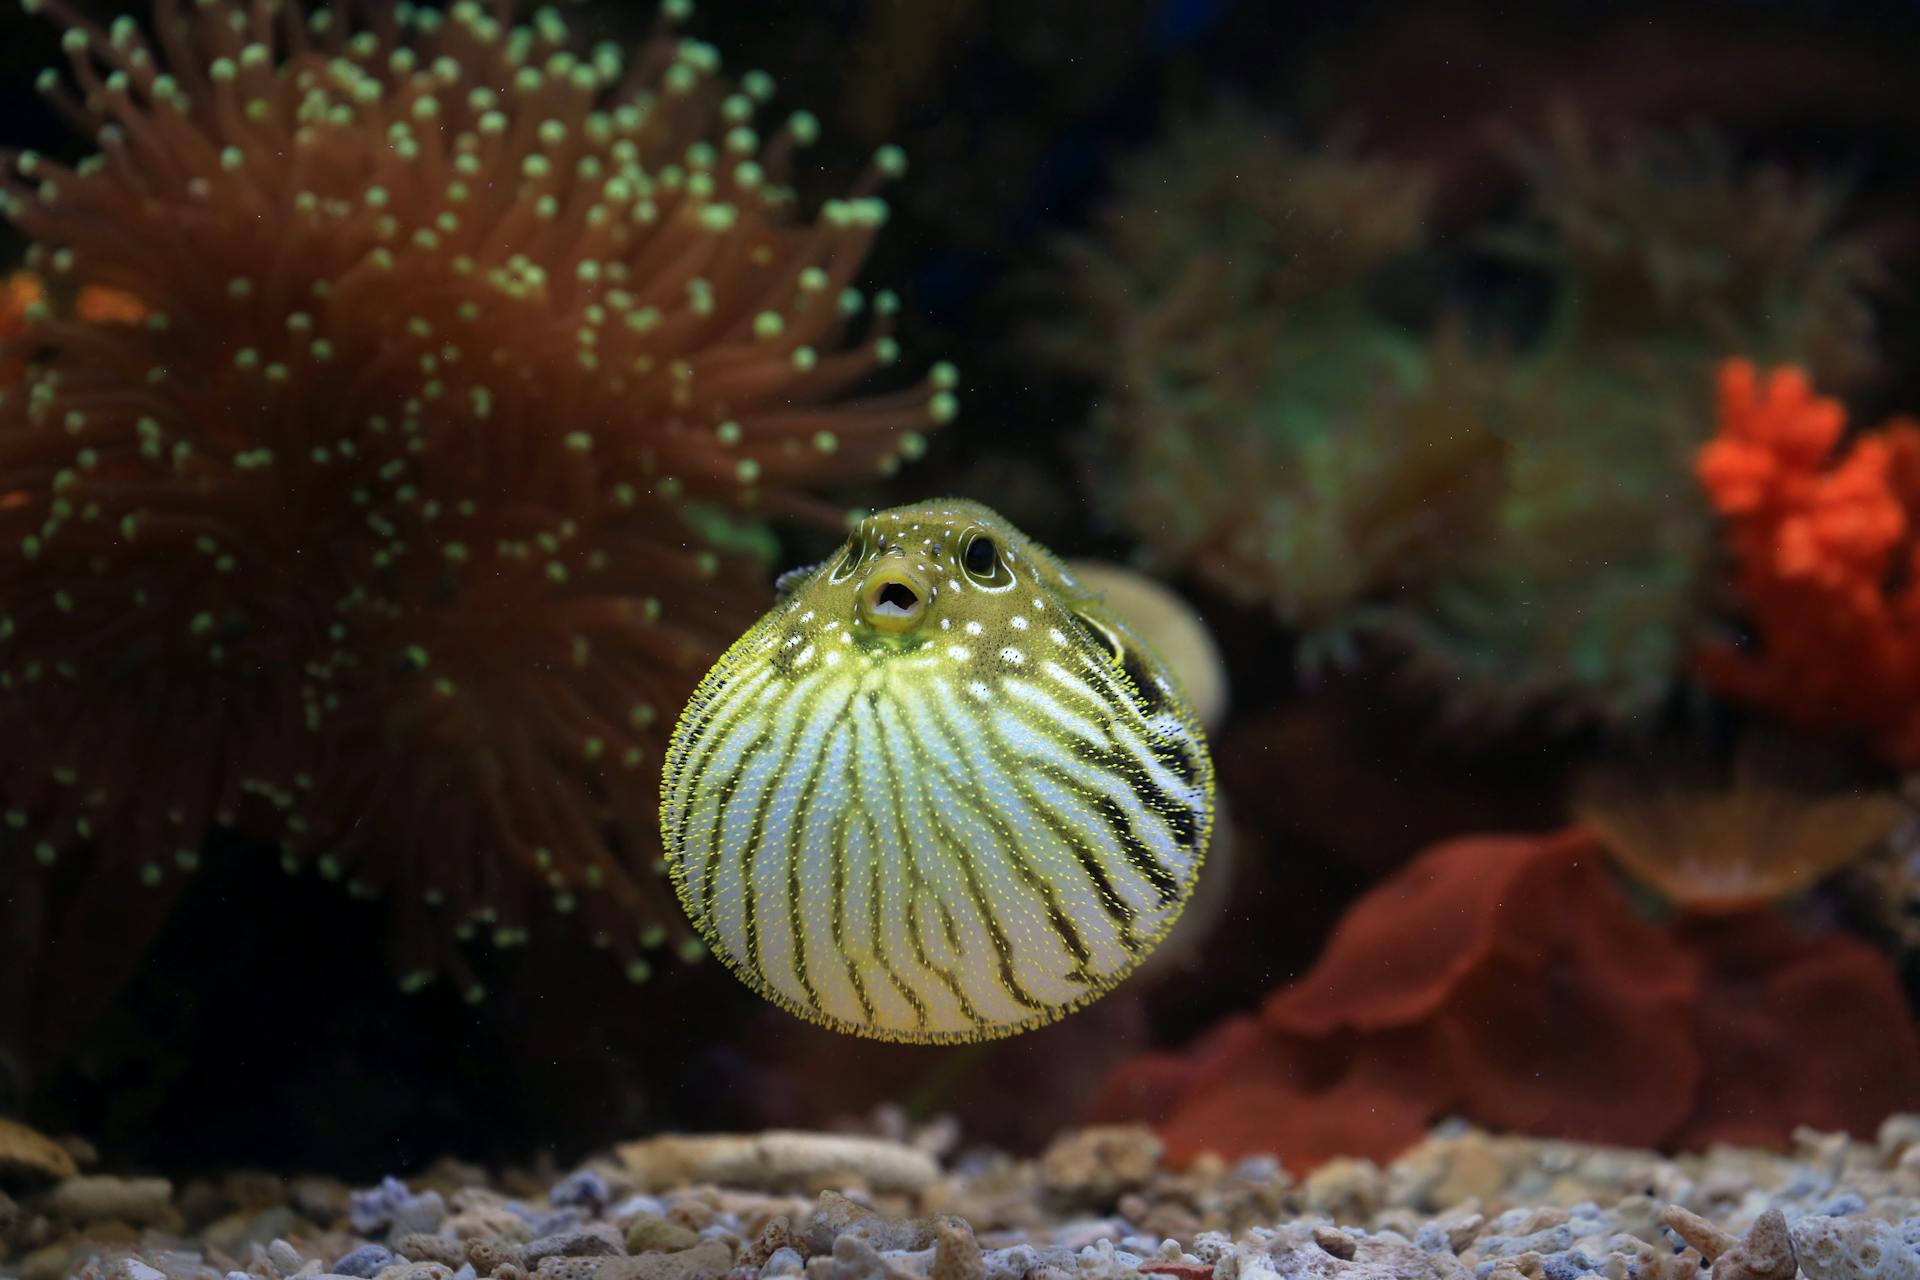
(1507, 979)
(1824, 538)
(1463, 982)
(1795, 1028)
(1247, 1090)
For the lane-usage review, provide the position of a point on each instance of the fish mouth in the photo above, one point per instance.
(894, 598)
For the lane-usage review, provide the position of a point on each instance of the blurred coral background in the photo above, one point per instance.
(1525, 402)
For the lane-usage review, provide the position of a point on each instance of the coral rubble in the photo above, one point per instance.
(1459, 1205)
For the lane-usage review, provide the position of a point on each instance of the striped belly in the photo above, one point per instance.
(922, 857)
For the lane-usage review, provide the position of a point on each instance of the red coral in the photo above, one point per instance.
(1824, 539)
(1796, 1028)
(1466, 982)
(1244, 1090)
(1508, 979)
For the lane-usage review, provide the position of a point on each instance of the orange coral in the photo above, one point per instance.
(1824, 538)
(1724, 852)
(398, 525)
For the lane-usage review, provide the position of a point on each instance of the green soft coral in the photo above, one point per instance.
(1258, 407)
(1582, 597)
(1517, 524)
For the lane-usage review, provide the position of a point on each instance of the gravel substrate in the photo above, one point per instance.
(1463, 1205)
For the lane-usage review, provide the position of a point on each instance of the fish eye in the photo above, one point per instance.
(980, 558)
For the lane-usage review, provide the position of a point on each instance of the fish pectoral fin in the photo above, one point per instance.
(789, 582)
(1110, 639)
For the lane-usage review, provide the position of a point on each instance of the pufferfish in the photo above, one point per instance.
(939, 793)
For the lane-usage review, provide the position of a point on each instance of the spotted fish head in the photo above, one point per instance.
(938, 793)
(942, 572)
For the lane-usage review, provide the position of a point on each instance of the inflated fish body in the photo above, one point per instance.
(938, 793)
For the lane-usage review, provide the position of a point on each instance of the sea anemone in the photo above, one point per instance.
(1581, 598)
(1666, 233)
(1265, 429)
(18, 292)
(1501, 507)
(425, 487)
